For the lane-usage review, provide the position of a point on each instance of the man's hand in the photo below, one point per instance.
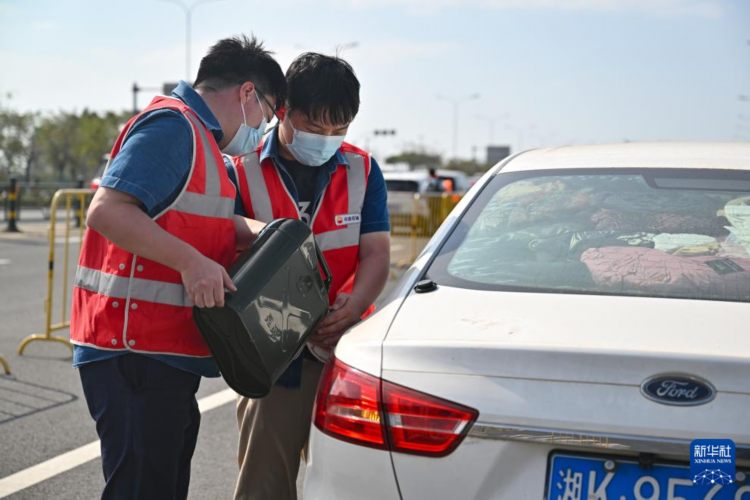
(346, 311)
(246, 231)
(205, 280)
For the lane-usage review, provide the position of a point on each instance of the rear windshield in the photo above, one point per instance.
(404, 186)
(657, 233)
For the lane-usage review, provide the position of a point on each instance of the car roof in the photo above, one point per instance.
(634, 155)
(418, 175)
(451, 173)
(405, 176)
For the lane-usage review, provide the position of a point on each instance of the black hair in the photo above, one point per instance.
(325, 88)
(239, 59)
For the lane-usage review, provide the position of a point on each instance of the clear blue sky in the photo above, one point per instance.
(566, 71)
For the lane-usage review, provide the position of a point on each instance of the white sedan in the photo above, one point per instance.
(579, 320)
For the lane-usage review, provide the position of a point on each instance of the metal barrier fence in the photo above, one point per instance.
(12, 207)
(71, 197)
(414, 223)
(28, 195)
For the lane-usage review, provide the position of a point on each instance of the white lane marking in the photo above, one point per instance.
(60, 240)
(216, 399)
(72, 459)
(4, 262)
(45, 470)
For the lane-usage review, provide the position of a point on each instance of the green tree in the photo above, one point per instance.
(73, 144)
(57, 137)
(19, 148)
(95, 137)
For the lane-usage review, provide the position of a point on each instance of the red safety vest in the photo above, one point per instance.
(336, 220)
(123, 301)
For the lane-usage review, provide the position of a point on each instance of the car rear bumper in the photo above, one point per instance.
(339, 470)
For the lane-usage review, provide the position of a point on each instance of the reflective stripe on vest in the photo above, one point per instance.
(210, 204)
(260, 198)
(341, 238)
(116, 287)
(256, 184)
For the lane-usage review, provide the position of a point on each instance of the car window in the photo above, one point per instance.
(661, 233)
(403, 186)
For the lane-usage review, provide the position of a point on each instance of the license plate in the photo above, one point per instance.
(585, 478)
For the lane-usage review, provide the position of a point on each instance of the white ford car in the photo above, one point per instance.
(581, 317)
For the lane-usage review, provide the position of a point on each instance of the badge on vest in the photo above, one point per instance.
(347, 219)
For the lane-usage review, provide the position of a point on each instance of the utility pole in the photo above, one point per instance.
(491, 120)
(456, 102)
(520, 130)
(188, 10)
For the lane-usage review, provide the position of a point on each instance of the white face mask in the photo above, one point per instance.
(313, 149)
(247, 138)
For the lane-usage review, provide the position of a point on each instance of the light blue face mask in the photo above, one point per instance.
(247, 138)
(313, 149)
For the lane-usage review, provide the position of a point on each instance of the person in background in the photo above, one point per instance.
(434, 184)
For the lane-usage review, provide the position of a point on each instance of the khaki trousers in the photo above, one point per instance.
(273, 432)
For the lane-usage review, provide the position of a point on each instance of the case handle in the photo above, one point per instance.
(326, 271)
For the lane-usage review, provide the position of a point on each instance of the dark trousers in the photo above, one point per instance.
(147, 419)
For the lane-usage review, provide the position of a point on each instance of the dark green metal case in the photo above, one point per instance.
(281, 296)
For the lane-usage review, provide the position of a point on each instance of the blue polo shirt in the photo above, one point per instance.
(153, 165)
(374, 210)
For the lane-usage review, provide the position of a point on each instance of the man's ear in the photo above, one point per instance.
(246, 89)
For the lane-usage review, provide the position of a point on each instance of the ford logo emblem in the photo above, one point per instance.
(678, 390)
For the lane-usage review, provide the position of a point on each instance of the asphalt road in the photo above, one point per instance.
(42, 410)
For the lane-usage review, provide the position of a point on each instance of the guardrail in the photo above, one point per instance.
(31, 195)
(12, 207)
(419, 221)
(71, 197)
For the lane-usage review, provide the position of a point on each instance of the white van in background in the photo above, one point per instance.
(402, 186)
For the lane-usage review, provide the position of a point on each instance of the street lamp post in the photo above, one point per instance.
(492, 120)
(456, 103)
(188, 10)
(520, 130)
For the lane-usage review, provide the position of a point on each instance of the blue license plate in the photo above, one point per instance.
(585, 478)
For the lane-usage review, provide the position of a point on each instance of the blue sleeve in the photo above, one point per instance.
(375, 208)
(154, 161)
(239, 207)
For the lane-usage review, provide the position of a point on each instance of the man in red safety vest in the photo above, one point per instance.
(306, 171)
(161, 231)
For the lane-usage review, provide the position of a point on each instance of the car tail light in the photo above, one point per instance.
(423, 424)
(347, 405)
(362, 409)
